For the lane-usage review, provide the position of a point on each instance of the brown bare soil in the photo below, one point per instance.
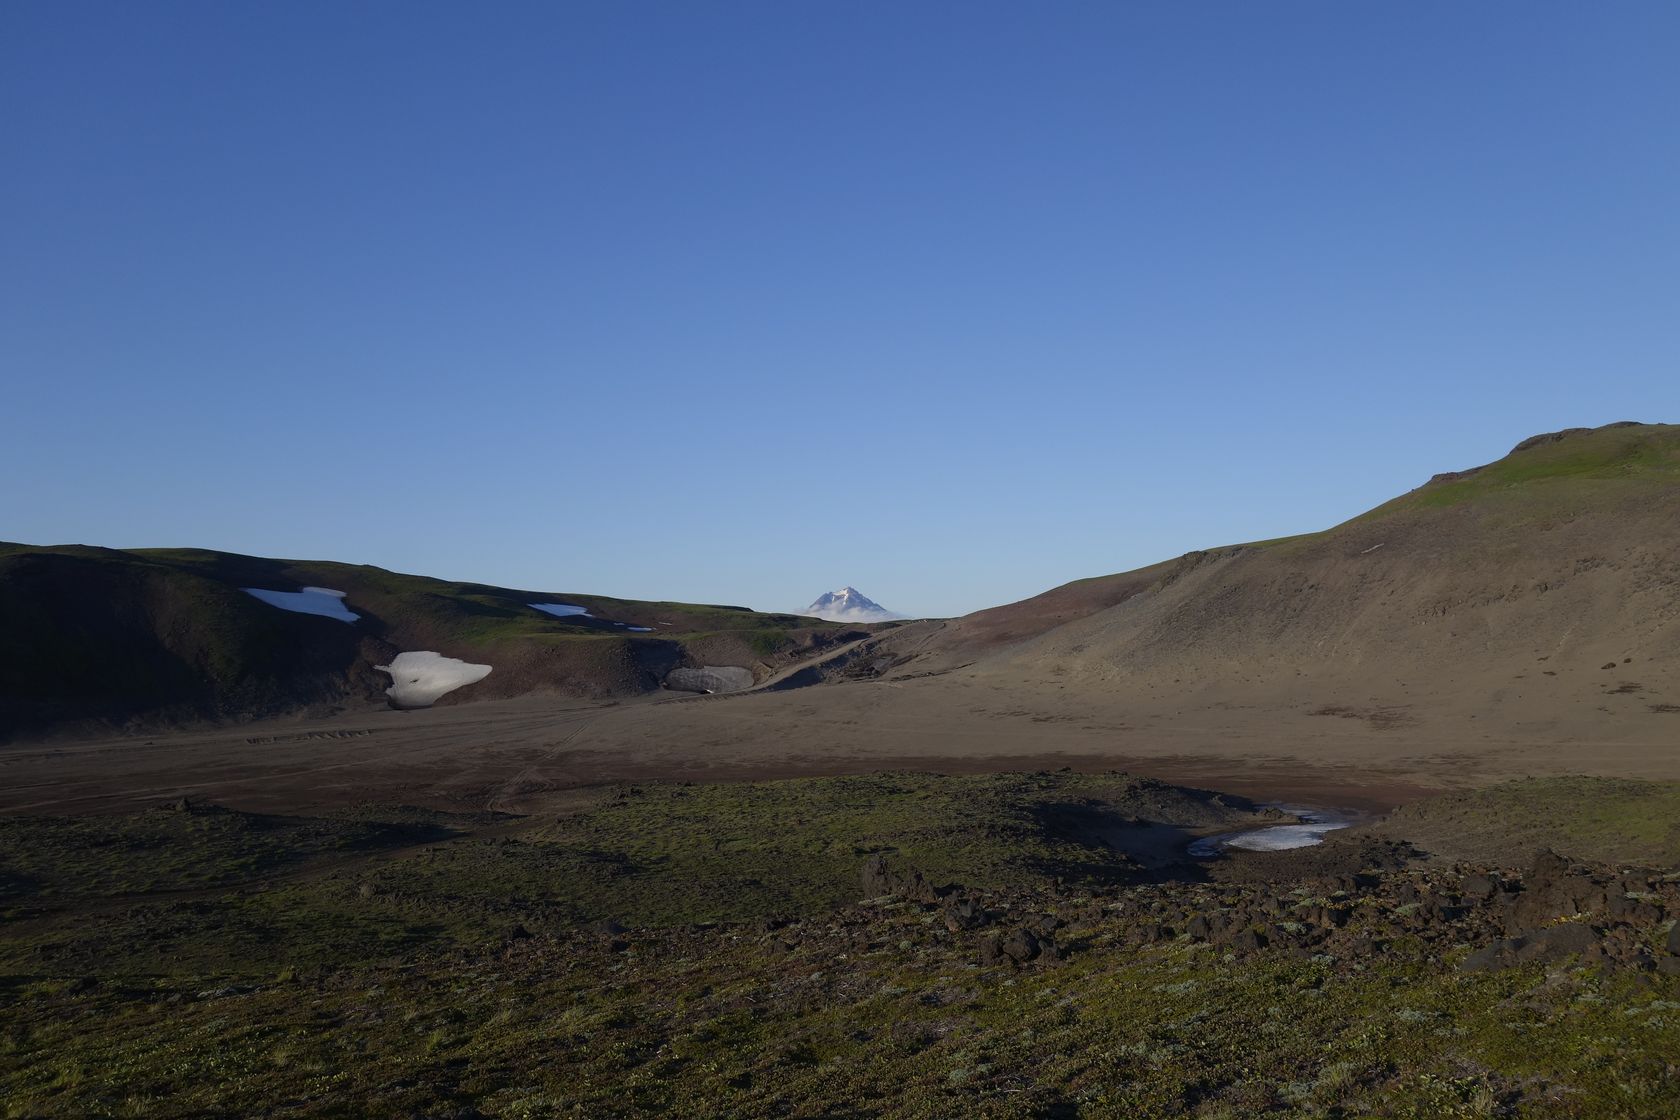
(1521, 619)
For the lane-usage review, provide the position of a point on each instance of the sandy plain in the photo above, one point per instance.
(520, 755)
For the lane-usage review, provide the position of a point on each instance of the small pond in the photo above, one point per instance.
(1310, 829)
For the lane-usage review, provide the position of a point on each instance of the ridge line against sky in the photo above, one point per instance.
(951, 303)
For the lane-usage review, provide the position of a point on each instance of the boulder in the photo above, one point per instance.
(1544, 946)
(1021, 946)
(1017, 947)
(1045, 925)
(880, 880)
(963, 914)
(1244, 940)
(1477, 888)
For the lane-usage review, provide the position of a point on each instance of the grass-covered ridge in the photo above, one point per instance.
(474, 613)
(1569, 473)
(1556, 465)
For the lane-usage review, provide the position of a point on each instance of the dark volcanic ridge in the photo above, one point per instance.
(141, 639)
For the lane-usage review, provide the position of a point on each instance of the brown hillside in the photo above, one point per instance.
(1548, 579)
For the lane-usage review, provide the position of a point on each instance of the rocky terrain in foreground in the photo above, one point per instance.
(913, 945)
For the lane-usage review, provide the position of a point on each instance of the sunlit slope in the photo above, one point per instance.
(1546, 581)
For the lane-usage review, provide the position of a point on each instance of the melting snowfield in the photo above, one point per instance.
(1278, 837)
(566, 610)
(560, 610)
(323, 601)
(418, 679)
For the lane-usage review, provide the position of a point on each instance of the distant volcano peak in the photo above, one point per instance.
(848, 605)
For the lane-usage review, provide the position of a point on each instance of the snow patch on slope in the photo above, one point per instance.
(560, 610)
(323, 601)
(419, 678)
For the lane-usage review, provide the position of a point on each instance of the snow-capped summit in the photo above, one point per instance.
(848, 605)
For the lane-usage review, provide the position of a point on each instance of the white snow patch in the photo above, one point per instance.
(642, 629)
(560, 610)
(418, 679)
(323, 601)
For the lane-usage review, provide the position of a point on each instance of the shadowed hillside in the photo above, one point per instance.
(159, 636)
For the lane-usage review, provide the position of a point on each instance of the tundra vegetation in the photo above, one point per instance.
(910, 945)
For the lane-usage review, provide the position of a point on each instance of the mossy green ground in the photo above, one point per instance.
(1567, 471)
(344, 968)
(1606, 819)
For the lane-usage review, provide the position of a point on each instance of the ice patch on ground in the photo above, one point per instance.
(418, 679)
(323, 601)
(641, 629)
(561, 610)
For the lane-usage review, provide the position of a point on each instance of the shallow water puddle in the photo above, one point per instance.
(1314, 823)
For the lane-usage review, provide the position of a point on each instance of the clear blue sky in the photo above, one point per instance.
(739, 302)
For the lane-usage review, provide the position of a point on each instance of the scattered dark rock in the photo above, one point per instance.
(1479, 888)
(962, 913)
(880, 881)
(1245, 940)
(1021, 946)
(1556, 437)
(1545, 946)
